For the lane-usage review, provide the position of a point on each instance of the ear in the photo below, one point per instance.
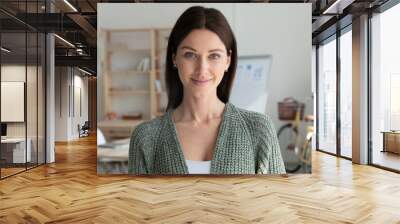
(173, 59)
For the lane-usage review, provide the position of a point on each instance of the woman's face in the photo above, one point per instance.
(201, 60)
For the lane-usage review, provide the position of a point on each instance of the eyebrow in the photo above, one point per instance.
(196, 51)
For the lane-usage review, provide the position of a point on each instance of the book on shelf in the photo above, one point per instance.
(132, 116)
(158, 85)
(144, 65)
(120, 88)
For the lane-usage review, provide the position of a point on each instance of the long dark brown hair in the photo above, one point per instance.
(198, 17)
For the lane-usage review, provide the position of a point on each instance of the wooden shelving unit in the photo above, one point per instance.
(128, 92)
(133, 60)
(128, 72)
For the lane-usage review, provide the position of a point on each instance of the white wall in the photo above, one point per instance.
(15, 73)
(33, 125)
(12, 73)
(61, 103)
(66, 120)
(283, 31)
(280, 30)
(80, 82)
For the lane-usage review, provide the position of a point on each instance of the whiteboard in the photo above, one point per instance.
(12, 101)
(250, 87)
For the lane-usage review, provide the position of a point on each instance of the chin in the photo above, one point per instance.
(200, 92)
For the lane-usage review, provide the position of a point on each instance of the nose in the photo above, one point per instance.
(202, 66)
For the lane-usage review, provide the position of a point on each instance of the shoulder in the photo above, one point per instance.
(260, 126)
(254, 120)
(150, 125)
(146, 130)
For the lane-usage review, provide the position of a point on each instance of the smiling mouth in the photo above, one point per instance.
(200, 82)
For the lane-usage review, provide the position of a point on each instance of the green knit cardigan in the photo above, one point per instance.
(246, 144)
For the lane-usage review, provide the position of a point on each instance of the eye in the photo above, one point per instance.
(214, 56)
(189, 55)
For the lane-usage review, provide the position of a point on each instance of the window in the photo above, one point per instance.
(327, 96)
(385, 88)
(346, 93)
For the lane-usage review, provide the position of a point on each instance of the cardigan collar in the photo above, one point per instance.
(179, 158)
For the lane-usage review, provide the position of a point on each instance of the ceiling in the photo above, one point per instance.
(76, 22)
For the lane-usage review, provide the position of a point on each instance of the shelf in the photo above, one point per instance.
(129, 72)
(128, 92)
(128, 50)
(121, 48)
(133, 72)
(151, 58)
(161, 49)
(133, 92)
(119, 123)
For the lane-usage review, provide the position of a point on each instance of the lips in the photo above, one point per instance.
(201, 82)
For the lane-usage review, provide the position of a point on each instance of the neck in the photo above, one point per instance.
(199, 109)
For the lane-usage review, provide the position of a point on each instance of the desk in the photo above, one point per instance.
(115, 129)
(118, 154)
(113, 160)
(391, 141)
(13, 150)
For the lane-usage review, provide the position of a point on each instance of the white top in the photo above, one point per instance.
(198, 167)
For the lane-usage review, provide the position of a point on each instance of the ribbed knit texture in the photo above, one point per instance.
(246, 144)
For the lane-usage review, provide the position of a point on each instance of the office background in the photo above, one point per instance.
(274, 30)
(22, 77)
(341, 189)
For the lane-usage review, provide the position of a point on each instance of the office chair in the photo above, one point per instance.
(84, 130)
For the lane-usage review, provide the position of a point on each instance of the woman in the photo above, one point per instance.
(202, 132)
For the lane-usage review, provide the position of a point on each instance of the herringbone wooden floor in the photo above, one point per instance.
(70, 191)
